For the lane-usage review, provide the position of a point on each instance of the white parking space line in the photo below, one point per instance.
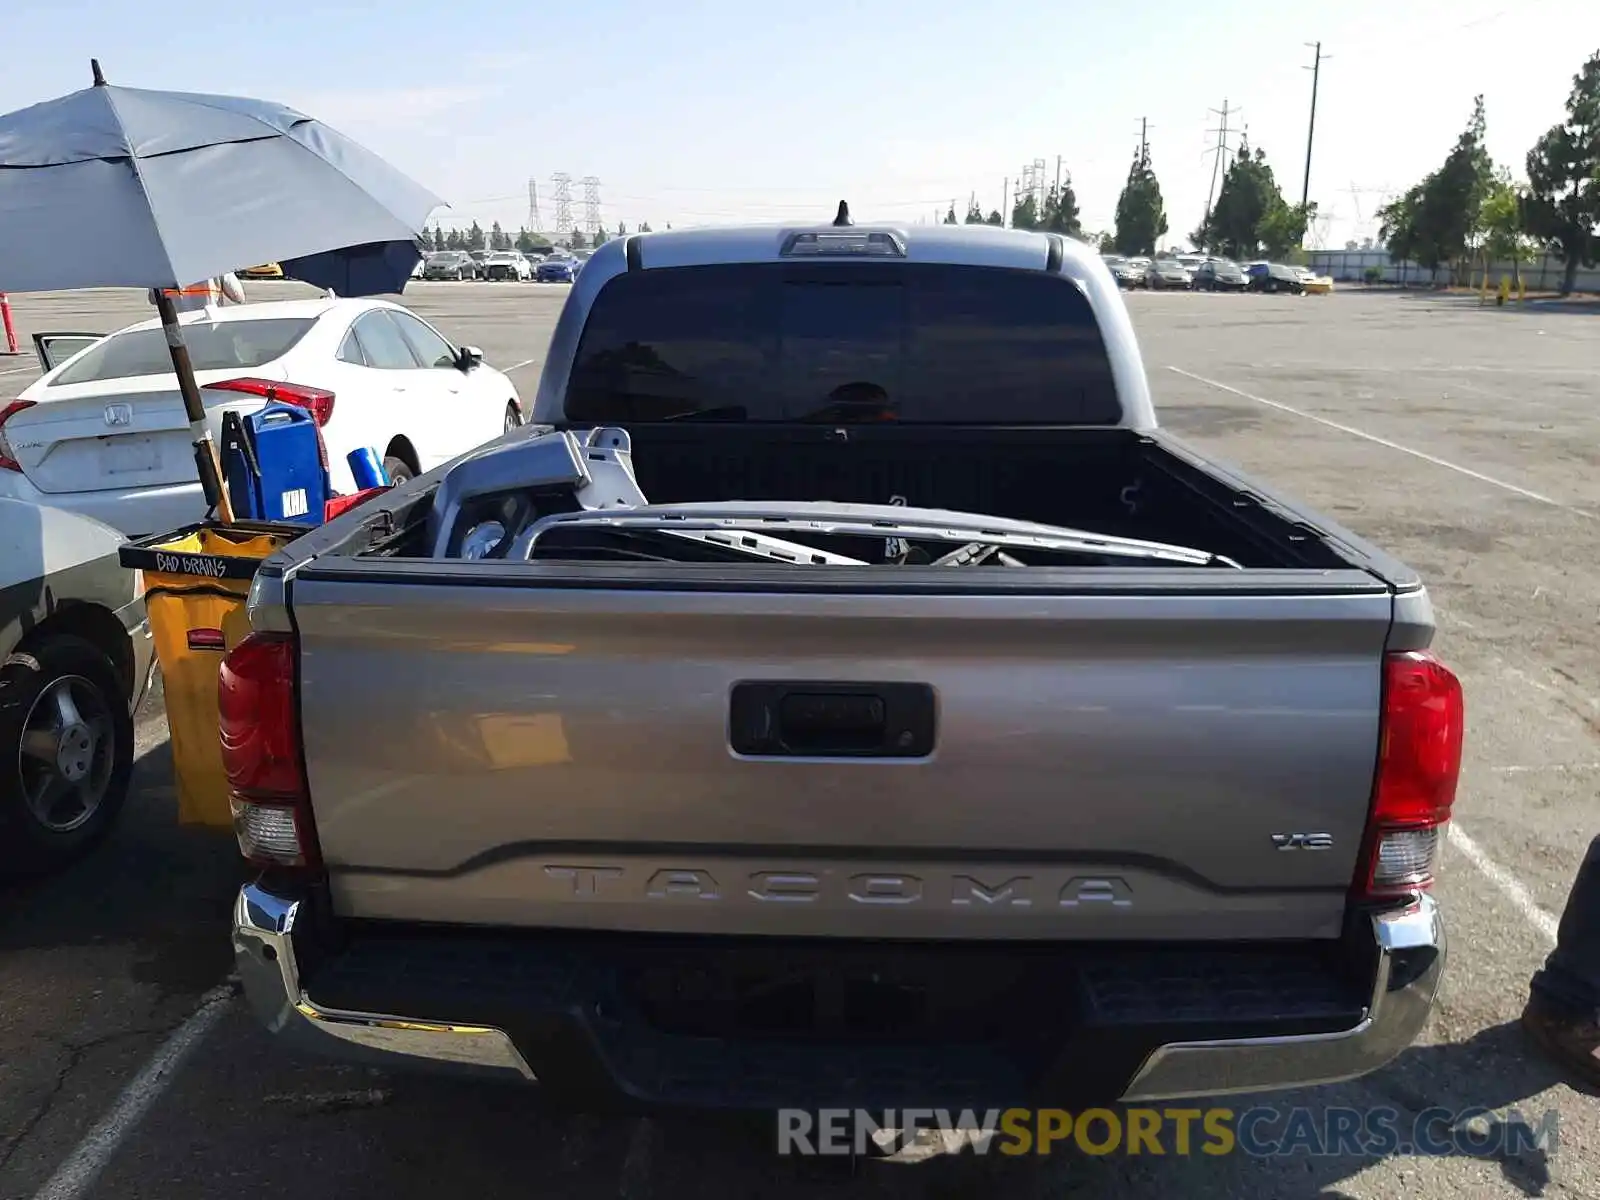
(1382, 441)
(1539, 918)
(19, 371)
(525, 362)
(1421, 369)
(74, 1177)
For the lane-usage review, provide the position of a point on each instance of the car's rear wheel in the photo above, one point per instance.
(66, 753)
(513, 418)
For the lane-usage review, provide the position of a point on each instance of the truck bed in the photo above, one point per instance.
(1110, 750)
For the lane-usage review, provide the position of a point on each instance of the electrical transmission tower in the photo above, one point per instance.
(1032, 185)
(535, 225)
(563, 185)
(1222, 149)
(591, 205)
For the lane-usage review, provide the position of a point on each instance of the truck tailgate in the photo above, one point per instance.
(1166, 765)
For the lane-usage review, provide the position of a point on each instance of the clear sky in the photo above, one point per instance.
(714, 111)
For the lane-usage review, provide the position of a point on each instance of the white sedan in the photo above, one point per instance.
(103, 431)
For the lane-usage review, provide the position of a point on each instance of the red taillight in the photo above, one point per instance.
(8, 460)
(1419, 763)
(317, 401)
(261, 752)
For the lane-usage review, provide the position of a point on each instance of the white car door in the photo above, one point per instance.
(471, 408)
(380, 394)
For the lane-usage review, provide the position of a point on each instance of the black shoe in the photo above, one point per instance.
(1571, 1040)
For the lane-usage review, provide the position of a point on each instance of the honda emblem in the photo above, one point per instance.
(119, 414)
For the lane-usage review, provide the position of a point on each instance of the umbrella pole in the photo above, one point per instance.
(205, 450)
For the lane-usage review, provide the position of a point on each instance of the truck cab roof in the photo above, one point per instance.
(754, 279)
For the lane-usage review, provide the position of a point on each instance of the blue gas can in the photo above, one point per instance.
(273, 462)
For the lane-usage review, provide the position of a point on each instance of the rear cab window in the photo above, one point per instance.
(846, 342)
(213, 346)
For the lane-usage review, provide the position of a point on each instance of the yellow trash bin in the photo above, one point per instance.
(196, 582)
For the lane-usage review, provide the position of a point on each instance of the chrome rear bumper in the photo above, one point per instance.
(263, 946)
(1408, 944)
(1410, 947)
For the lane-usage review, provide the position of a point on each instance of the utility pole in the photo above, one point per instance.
(1144, 141)
(1316, 73)
(1221, 150)
(1005, 203)
(1058, 176)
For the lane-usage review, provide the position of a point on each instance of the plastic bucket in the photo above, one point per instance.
(196, 582)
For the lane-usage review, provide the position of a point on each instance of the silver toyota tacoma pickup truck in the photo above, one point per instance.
(842, 692)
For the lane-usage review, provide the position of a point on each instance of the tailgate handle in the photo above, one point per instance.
(803, 719)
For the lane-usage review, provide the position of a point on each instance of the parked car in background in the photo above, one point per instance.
(1274, 278)
(1219, 275)
(556, 270)
(449, 264)
(75, 661)
(1167, 274)
(264, 271)
(103, 431)
(1141, 267)
(507, 265)
(1313, 283)
(1124, 271)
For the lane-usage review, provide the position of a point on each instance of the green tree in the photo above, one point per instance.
(1399, 226)
(1282, 231)
(475, 237)
(497, 237)
(1141, 213)
(576, 239)
(644, 227)
(1502, 220)
(1251, 217)
(1438, 220)
(1563, 204)
(974, 213)
(1025, 213)
(455, 241)
(1061, 211)
(1248, 187)
(994, 218)
(1452, 199)
(622, 229)
(439, 240)
(950, 217)
(524, 241)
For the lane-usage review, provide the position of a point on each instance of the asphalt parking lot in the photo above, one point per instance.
(1464, 439)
